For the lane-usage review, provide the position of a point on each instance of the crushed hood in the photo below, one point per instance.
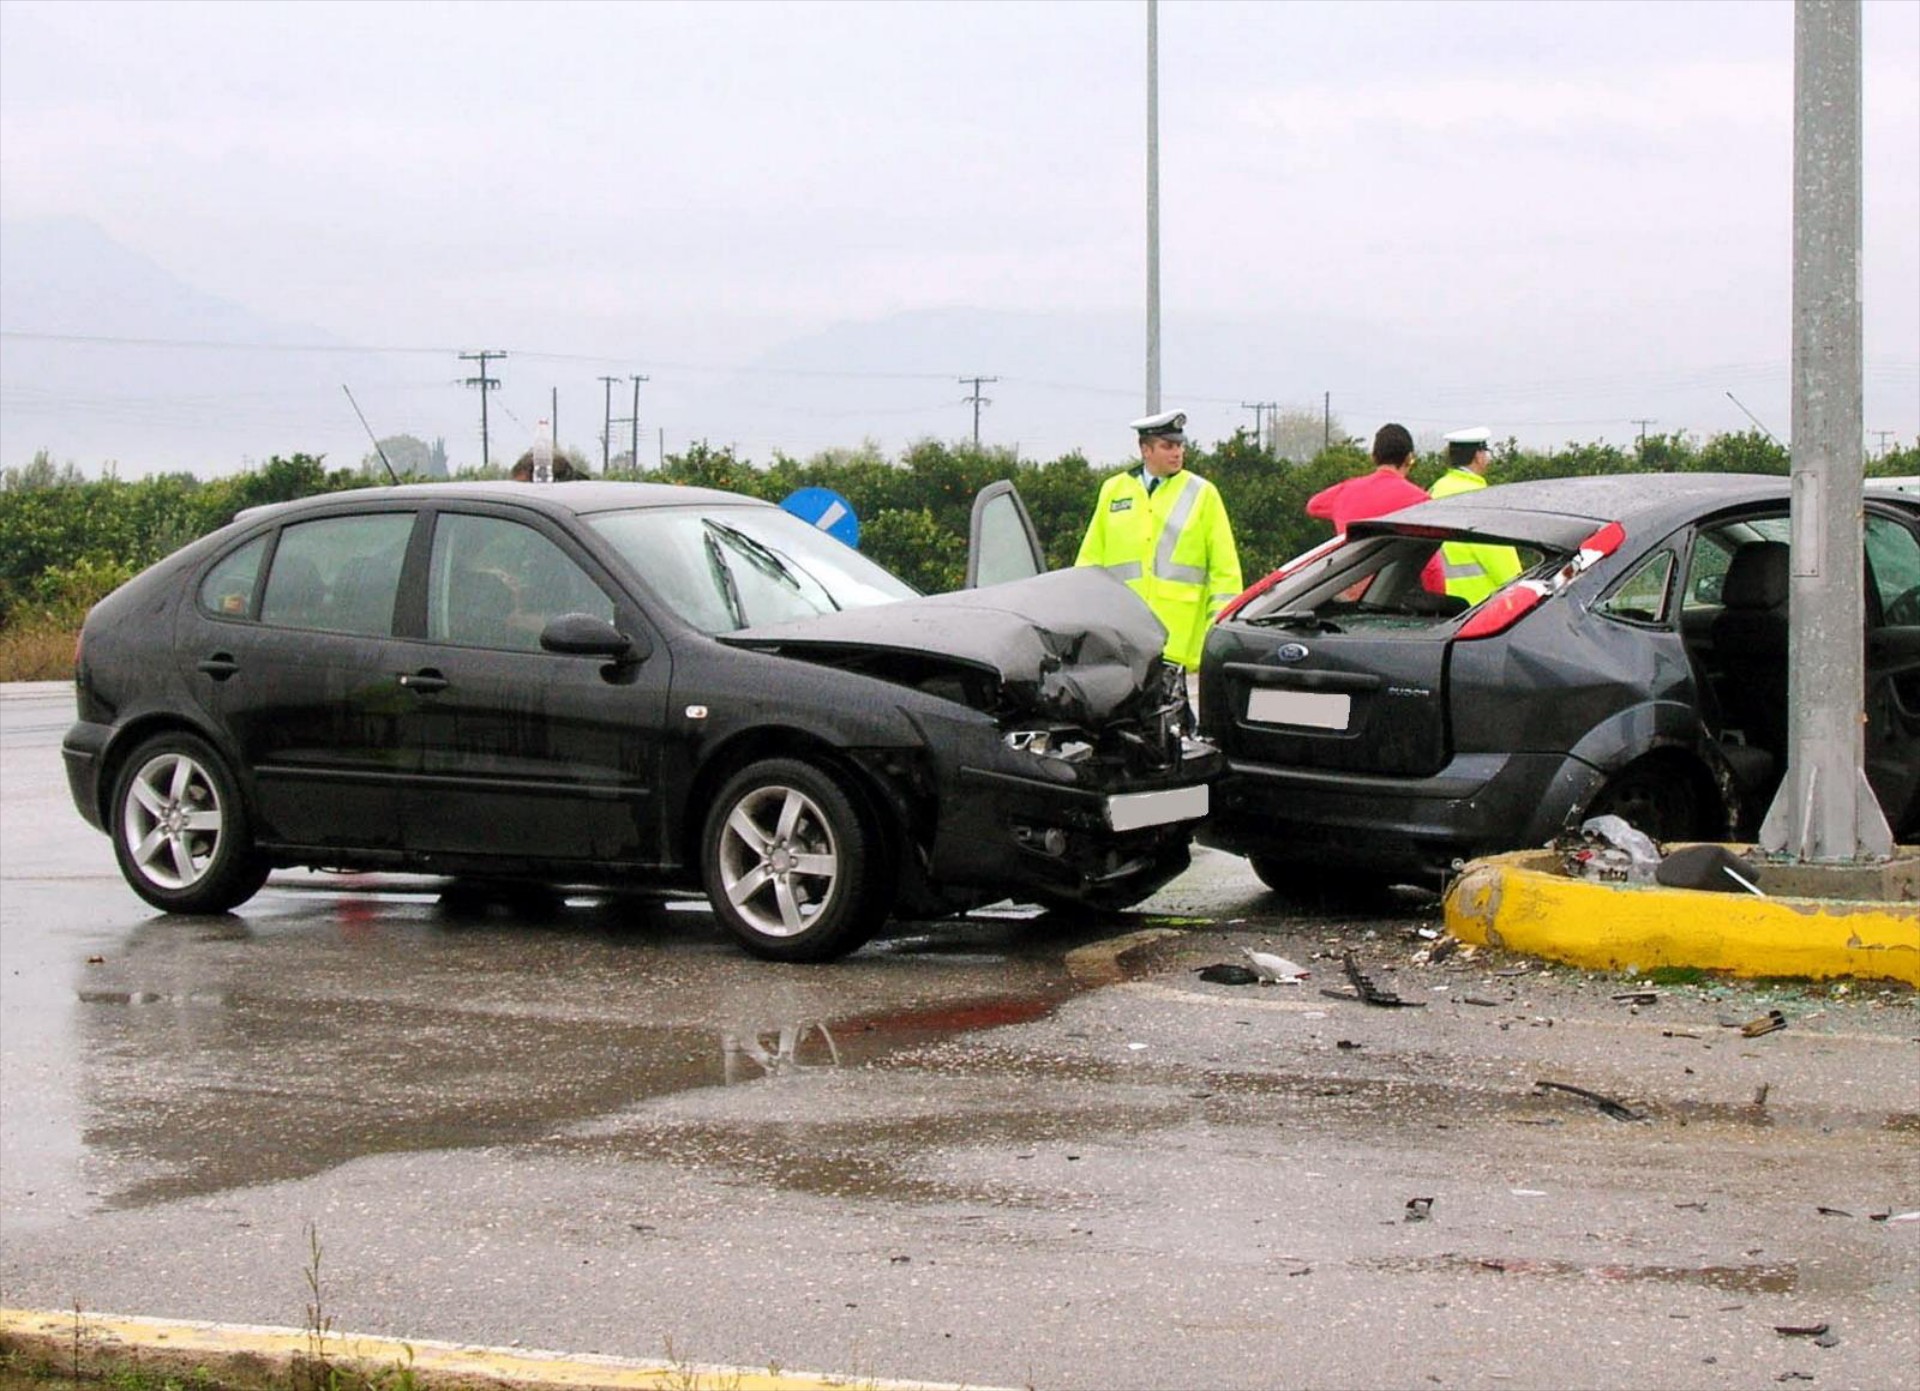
(1073, 644)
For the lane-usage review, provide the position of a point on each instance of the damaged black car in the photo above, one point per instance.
(623, 684)
(1377, 730)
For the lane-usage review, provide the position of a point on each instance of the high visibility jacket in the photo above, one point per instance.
(1472, 570)
(1173, 548)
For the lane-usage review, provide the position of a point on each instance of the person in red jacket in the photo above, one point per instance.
(1386, 489)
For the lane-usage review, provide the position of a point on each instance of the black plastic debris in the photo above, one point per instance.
(1367, 992)
(1713, 868)
(1800, 1330)
(1419, 1209)
(1833, 1212)
(1228, 973)
(1606, 1103)
(1637, 997)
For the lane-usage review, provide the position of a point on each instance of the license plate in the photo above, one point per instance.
(1314, 709)
(1131, 810)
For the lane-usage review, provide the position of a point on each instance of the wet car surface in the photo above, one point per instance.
(627, 685)
(1637, 666)
(1002, 1149)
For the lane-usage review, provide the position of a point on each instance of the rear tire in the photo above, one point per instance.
(791, 866)
(180, 829)
(1654, 798)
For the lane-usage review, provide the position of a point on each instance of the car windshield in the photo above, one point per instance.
(726, 568)
(1384, 582)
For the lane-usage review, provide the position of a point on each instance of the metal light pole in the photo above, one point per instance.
(1153, 207)
(1825, 811)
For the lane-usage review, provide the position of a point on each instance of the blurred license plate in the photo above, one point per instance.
(1131, 810)
(1315, 709)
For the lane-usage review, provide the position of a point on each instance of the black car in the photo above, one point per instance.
(611, 683)
(1637, 666)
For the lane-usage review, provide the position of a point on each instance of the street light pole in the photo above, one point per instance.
(1825, 810)
(1153, 207)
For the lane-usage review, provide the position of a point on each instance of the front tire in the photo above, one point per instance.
(180, 830)
(790, 864)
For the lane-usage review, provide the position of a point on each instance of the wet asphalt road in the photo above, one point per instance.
(993, 1151)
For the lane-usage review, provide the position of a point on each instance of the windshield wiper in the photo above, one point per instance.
(729, 590)
(777, 567)
(1295, 618)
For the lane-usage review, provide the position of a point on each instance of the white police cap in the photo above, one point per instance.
(1168, 425)
(1477, 436)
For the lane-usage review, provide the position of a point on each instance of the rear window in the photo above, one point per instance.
(1383, 583)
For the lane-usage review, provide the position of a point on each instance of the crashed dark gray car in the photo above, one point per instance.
(620, 684)
(1637, 665)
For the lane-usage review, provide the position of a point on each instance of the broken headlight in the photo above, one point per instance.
(1064, 744)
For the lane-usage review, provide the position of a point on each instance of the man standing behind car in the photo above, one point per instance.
(1386, 489)
(1472, 571)
(1165, 532)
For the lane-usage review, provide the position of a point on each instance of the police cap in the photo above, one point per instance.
(1168, 425)
(1477, 437)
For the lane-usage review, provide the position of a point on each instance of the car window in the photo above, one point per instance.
(338, 574)
(1374, 583)
(725, 568)
(496, 583)
(229, 586)
(1713, 552)
(1642, 596)
(1893, 562)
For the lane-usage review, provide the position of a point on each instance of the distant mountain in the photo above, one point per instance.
(104, 358)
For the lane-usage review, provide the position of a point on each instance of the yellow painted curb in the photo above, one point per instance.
(1510, 901)
(259, 1356)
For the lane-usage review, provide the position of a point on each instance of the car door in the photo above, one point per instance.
(291, 649)
(1893, 667)
(1001, 541)
(525, 753)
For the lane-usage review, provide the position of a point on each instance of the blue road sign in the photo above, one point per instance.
(827, 510)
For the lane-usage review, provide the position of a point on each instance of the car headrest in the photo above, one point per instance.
(1758, 578)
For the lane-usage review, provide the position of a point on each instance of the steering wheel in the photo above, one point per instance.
(1904, 612)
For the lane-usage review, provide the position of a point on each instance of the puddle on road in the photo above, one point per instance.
(1778, 1277)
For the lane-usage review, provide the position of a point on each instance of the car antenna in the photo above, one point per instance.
(1751, 416)
(370, 435)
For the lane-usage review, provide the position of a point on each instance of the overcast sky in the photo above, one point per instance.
(1553, 218)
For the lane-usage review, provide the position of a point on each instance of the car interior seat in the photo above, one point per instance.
(1750, 645)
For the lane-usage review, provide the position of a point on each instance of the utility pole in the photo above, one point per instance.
(1261, 432)
(1153, 207)
(635, 445)
(1885, 435)
(486, 384)
(553, 415)
(1825, 811)
(1642, 441)
(607, 423)
(977, 401)
(1326, 420)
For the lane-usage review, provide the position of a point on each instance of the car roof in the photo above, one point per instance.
(579, 497)
(1562, 512)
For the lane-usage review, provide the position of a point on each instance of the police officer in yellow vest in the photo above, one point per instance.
(1472, 571)
(1165, 532)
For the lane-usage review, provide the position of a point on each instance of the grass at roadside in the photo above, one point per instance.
(36, 652)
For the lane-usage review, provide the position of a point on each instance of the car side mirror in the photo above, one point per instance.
(583, 635)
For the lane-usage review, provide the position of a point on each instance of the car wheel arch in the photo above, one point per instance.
(1686, 766)
(128, 737)
(879, 804)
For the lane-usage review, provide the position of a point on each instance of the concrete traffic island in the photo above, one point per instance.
(1815, 921)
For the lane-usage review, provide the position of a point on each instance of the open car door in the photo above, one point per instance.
(1001, 542)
